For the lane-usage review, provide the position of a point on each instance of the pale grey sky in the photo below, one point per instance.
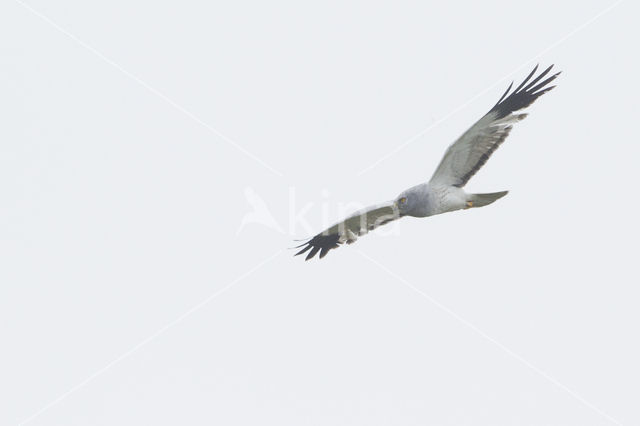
(133, 132)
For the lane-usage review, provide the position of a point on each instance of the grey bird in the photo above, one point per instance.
(444, 192)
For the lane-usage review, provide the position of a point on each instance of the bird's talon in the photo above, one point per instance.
(469, 204)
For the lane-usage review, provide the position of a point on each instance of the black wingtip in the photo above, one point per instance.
(303, 250)
(312, 253)
(319, 243)
(303, 244)
(525, 94)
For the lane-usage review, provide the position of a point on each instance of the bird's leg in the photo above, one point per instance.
(469, 205)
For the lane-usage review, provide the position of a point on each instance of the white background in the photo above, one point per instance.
(120, 213)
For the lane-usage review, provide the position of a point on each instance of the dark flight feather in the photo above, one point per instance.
(319, 243)
(524, 95)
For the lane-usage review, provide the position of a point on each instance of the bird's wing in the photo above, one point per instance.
(350, 229)
(469, 153)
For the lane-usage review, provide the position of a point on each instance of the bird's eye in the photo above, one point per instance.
(403, 200)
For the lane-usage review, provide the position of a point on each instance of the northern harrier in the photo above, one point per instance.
(443, 193)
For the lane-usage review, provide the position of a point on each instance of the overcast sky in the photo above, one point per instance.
(139, 286)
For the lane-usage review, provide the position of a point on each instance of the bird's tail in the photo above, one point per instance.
(479, 200)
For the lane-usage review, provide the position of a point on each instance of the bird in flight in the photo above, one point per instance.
(444, 192)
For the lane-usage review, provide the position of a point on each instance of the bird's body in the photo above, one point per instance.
(444, 191)
(448, 199)
(437, 199)
(434, 199)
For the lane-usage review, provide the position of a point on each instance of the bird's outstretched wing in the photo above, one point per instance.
(350, 229)
(469, 153)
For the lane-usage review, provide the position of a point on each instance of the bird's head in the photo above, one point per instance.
(406, 202)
